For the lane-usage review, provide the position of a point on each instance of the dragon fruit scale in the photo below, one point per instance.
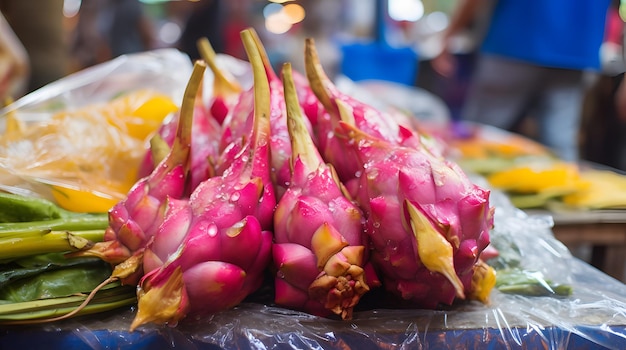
(214, 251)
(319, 251)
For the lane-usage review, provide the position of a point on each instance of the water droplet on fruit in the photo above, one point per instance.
(212, 230)
(392, 246)
(235, 197)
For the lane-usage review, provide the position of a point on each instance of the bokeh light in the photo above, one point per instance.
(405, 10)
(170, 32)
(437, 21)
(277, 23)
(71, 7)
(280, 18)
(271, 9)
(294, 12)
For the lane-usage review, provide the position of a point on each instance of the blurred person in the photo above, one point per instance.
(205, 20)
(130, 29)
(39, 27)
(531, 61)
(604, 110)
(109, 28)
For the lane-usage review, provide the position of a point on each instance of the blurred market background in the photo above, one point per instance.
(391, 42)
(399, 37)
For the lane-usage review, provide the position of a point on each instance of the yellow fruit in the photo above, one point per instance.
(554, 177)
(606, 189)
(139, 113)
(83, 201)
(148, 117)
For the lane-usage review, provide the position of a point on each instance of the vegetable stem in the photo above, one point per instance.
(47, 242)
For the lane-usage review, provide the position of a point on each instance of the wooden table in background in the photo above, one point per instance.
(603, 230)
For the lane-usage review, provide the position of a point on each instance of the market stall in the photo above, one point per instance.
(543, 297)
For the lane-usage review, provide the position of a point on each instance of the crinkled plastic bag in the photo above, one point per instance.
(79, 140)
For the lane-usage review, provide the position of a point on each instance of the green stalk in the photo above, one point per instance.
(28, 312)
(16, 208)
(47, 242)
(75, 222)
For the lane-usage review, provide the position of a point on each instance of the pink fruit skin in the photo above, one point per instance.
(458, 209)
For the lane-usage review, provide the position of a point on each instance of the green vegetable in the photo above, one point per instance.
(37, 264)
(111, 297)
(61, 282)
(16, 208)
(38, 283)
(530, 283)
(47, 242)
(24, 215)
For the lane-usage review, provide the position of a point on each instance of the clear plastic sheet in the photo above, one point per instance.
(593, 317)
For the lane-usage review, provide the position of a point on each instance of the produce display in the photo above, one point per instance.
(290, 192)
(528, 172)
(338, 197)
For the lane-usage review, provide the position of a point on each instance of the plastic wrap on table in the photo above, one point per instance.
(593, 316)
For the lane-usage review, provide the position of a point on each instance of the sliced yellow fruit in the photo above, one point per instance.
(556, 177)
(83, 200)
(146, 119)
(607, 189)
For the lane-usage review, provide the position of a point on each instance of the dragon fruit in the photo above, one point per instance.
(319, 251)
(427, 222)
(200, 266)
(134, 220)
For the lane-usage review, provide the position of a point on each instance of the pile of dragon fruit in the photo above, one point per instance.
(294, 178)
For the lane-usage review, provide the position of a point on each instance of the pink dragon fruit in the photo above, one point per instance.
(311, 105)
(319, 250)
(397, 220)
(212, 253)
(428, 223)
(134, 220)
